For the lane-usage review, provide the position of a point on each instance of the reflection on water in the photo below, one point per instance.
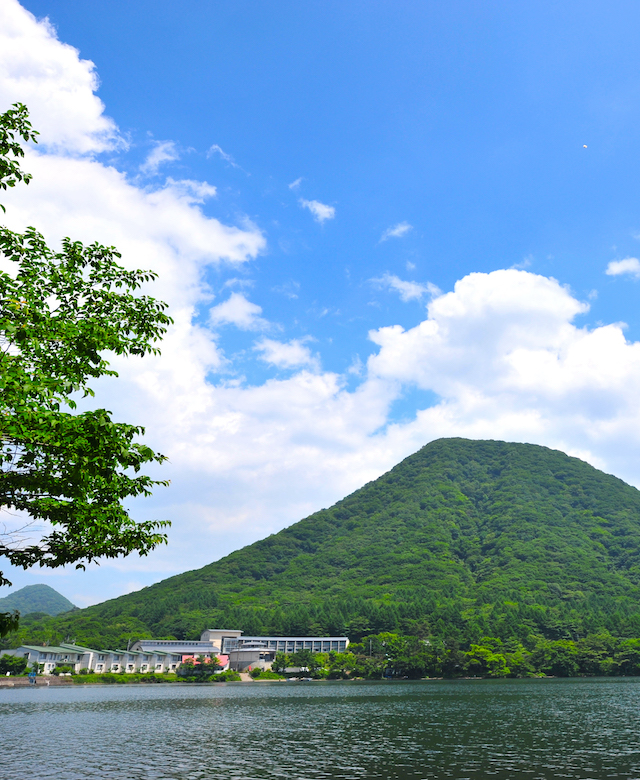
(465, 730)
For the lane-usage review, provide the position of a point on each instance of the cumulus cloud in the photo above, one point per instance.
(630, 265)
(504, 353)
(408, 291)
(162, 152)
(320, 211)
(57, 86)
(239, 311)
(289, 354)
(73, 194)
(295, 184)
(396, 231)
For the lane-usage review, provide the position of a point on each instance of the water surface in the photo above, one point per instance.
(465, 730)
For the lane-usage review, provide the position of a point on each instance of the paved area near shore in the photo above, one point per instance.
(21, 682)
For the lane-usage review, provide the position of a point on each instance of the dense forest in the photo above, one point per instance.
(461, 541)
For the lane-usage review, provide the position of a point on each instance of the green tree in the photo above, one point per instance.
(12, 664)
(199, 669)
(486, 662)
(302, 658)
(59, 312)
(280, 662)
(557, 658)
(341, 664)
(627, 658)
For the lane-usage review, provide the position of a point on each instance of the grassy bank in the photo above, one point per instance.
(122, 679)
(109, 678)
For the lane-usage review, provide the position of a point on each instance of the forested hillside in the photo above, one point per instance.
(36, 598)
(462, 540)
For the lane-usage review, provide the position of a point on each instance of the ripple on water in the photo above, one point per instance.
(466, 730)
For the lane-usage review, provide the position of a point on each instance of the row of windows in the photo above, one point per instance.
(285, 646)
(72, 659)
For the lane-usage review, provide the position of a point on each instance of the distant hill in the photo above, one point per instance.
(461, 540)
(36, 598)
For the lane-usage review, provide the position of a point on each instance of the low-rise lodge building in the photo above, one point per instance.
(76, 657)
(232, 649)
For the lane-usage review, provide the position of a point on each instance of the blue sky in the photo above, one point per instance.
(465, 120)
(425, 222)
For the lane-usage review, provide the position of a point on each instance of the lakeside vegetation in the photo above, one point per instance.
(393, 656)
(463, 540)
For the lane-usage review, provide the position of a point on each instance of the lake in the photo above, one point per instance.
(587, 728)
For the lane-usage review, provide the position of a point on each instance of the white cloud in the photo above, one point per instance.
(73, 194)
(525, 263)
(192, 191)
(409, 291)
(396, 231)
(295, 184)
(162, 152)
(215, 149)
(630, 265)
(239, 311)
(56, 85)
(320, 211)
(504, 355)
(290, 354)
(289, 289)
(238, 283)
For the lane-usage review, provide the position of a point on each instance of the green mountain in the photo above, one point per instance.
(36, 598)
(461, 540)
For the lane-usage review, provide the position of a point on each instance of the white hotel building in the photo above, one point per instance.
(234, 651)
(49, 657)
(238, 652)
